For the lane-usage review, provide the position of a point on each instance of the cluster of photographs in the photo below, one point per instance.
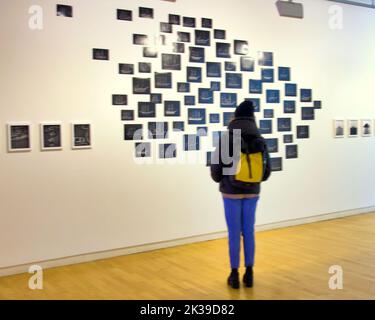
(20, 136)
(211, 87)
(353, 128)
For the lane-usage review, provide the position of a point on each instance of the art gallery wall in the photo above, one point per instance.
(70, 202)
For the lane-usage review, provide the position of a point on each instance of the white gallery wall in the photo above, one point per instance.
(70, 202)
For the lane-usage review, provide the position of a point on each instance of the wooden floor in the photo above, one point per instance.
(291, 263)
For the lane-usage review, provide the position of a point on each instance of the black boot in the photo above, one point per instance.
(248, 277)
(234, 279)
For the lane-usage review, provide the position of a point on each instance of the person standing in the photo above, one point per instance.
(241, 197)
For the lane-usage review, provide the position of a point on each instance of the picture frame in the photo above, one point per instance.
(147, 13)
(268, 75)
(273, 96)
(183, 87)
(119, 100)
(272, 145)
(247, 64)
(353, 128)
(228, 100)
(284, 124)
(100, 54)
(125, 15)
(196, 55)
(158, 130)
(306, 95)
(171, 61)
(213, 69)
(125, 68)
(241, 47)
(172, 108)
(189, 22)
(284, 73)
(366, 128)
(141, 86)
(142, 150)
(50, 136)
(215, 118)
(133, 132)
(194, 74)
(196, 116)
(223, 50)
(127, 115)
(308, 113)
(268, 113)
(63, 10)
(276, 164)
(174, 19)
(168, 151)
(81, 133)
(233, 80)
(202, 38)
(206, 96)
(289, 106)
(303, 132)
(163, 80)
(291, 151)
(255, 86)
(219, 34)
(146, 110)
(144, 67)
(207, 23)
(291, 90)
(19, 136)
(265, 59)
(265, 126)
(288, 138)
(189, 100)
(339, 128)
(230, 66)
(156, 98)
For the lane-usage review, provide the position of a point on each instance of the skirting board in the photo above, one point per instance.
(173, 243)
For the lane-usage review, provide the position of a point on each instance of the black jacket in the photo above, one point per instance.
(251, 141)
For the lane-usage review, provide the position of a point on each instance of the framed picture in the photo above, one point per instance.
(268, 75)
(64, 11)
(284, 74)
(167, 151)
(196, 116)
(81, 135)
(276, 164)
(141, 86)
(289, 106)
(171, 61)
(290, 90)
(233, 80)
(219, 34)
(119, 99)
(178, 126)
(230, 66)
(353, 128)
(19, 137)
(183, 36)
(183, 87)
(317, 104)
(366, 128)
(247, 64)
(213, 69)
(126, 15)
(158, 130)
(223, 50)
(100, 54)
(189, 100)
(228, 100)
(202, 131)
(166, 27)
(133, 132)
(125, 68)
(178, 47)
(144, 67)
(127, 115)
(308, 113)
(51, 137)
(273, 96)
(306, 95)
(268, 113)
(196, 55)
(150, 52)
(339, 128)
(256, 86)
(265, 126)
(172, 108)
(265, 59)
(146, 13)
(284, 124)
(227, 118)
(303, 132)
(206, 23)
(215, 86)
(140, 39)
(214, 118)
(191, 142)
(146, 110)
(288, 138)
(241, 47)
(272, 145)
(163, 80)
(174, 19)
(156, 98)
(206, 96)
(189, 22)
(291, 151)
(202, 38)
(194, 74)
(143, 150)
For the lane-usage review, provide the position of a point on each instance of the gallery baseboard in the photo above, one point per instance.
(173, 243)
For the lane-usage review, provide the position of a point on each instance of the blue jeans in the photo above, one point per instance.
(240, 217)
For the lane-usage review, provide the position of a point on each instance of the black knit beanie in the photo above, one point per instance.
(245, 110)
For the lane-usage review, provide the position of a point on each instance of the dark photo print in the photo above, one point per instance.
(144, 67)
(247, 64)
(165, 27)
(268, 75)
(196, 55)
(133, 132)
(140, 39)
(189, 22)
(241, 47)
(284, 74)
(81, 135)
(150, 52)
(183, 87)
(215, 86)
(178, 47)
(178, 126)
(268, 113)
(189, 100)
(51, 136)
(206, 23)
(127, 115)
(146, 13)
(191, 142)
(202, 38)
(290, 89)
(219, 34)
(174, 19)
(197, 116)
(256, 86)
(167, 151)
(163, 80)
(228, 100)
(143, 150)
(289, 106)
(172, 108)
(288, 138)
(230, 66)
(273, 96)
(158, 130)
(276, 164)
(126, 15)
(291, 151)
(303, 132)
(284, 124)
(233, 80)
(100, 54)
(213, 69)
(265, 126)
(146, 110)
(19, 137)
(308, 113)
(223, 50)
(156, 98)
(171, 61)
(64, 11)
(227, 118)
(141, 85)
(266, 59)
(194, 74)
(126, 68)
(183, 36)
(206, 96)
(306, 95)
(214, 118)
(119, 99)
(272, 145)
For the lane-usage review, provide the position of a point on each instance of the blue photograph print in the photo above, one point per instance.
(190, 100)
(303, 132)
(273, 96)
(268, 113)
(266, 59)
(156, 98)
(277, 164)
(289, 106)
(191, 142)
(247, 64)
(146, 110)
(256, 103)
(228, 100)
(317, 104)
(215, 86)
(227, 118)
(202, 131)
(178, 126)
(288, 138)
(230, 66)
(197, 55)
(265, 126)
(213, 69)
(194, 74)
(183, 87)
(206, 96)
(306, 95)
(202, 38)
(308, 113)
(172, 108)
(284, 74)
(291, 151)
(223, 50)
(214, 118)
(197, 116)
(256, 86)
(290, 90)
(268, 75)
(233, 80)
(163, 80)
(284, 124)
(272, 145)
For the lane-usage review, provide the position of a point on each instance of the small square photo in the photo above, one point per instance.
(64, 11)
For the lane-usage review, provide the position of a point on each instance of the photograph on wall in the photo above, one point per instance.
(206, 23)
(241, 47)
(189, 100)
(189, 22)
(265, 126)
(202, 38)
(64, 11)
(194, 74)
(230, 66)
(196, 55)
(202, 131)
(174, 19)
(303, 132)
(339, 128)
(288, 138)
(183, 87)
(206, 96)
(215, 86)
(227, 118)
(150, 52)
(178, 47)
(223, 50)
(81, 135)
(144, 67)
(284, 73)
(256, 103)
(272, 145)
(191, 142)
(163, 80)
(146, 13)
(306, 95)
(119, 99)
(140, 39)
(289, 106)
(284, 124)
(172, 108)
(166, 27)
(213, 69)
(268, 75)
(268, 113)
(276, 164)
(308, 113)
(126, 15)
(214, 118)
(133, 132)
(167, 151)
(317, 104)
(146, 110)
(50, 134)
(353, 128)
(178, 126)
(19, 137)
(127, 115)
(256, 86)
(228, 100)
(197, 116)
(158, 130)
(290, 89)
(143, 150)
(265, 59)
(156, 98)
(273, 96)
(126, 68)
(291, 151)
(219, 34)
(183, 36)
(366, 128)
(100, 54)
(247, 64)
(141, 85)
(233, 80)
(171, 61)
